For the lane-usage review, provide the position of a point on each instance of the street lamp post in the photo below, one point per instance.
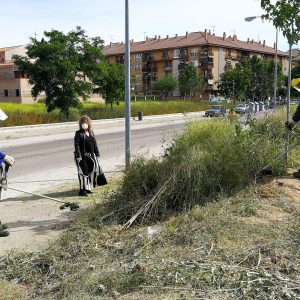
(127, 88)
(249, 19)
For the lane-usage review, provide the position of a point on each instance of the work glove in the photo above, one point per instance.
(290, 125)
(9, 160)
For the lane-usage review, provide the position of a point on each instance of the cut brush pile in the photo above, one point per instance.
(208, 160)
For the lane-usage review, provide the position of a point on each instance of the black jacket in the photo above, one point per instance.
(79, 144)
(296, 117)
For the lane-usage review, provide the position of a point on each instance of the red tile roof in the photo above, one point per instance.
(191, 39)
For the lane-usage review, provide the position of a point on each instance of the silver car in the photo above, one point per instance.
(242, 108)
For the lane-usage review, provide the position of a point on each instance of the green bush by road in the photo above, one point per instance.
(30, 114)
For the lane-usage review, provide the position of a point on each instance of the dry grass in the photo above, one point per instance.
(243, 246)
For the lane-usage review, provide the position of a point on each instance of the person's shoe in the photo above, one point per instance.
(3, 227)
(4, 233)
(89, 192)
(296, 174)
(82, 193)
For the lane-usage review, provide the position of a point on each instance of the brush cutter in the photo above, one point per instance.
(267, 170)
(73, 206)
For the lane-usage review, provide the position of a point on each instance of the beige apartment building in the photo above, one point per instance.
(14, 86)
(157, 57)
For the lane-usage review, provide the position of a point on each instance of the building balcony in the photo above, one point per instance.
(206, 54)
(147, 57)
(120, 59)
(149, 69)
(168, 68)
(209, 76)
(149, 77)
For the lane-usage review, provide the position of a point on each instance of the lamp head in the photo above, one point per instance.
(249, 19)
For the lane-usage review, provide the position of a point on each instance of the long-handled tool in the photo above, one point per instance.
(73, 206)
(267, 170)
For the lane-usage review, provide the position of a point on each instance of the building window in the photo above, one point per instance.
(137, 78)
(176, 53)
(195, 63)
(5, 93)
(17, 93)
(194, 52)
(137, 57)
(137, 67)
(137, 88)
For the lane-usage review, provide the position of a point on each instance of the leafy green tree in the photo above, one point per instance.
(190, 81)
(234, 83)
(252, 79)
(59, 65)
(165, 85)
(285, 14)
(111, 84)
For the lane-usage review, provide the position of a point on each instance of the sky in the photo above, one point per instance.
(20, 19)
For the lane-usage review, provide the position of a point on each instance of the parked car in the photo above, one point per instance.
(215, 111)
(242, 108)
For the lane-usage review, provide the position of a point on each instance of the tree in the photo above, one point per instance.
(234, 83)
(190, 81)
(111, 84)
(60, 66)
(251, 79)
(285, 14)
(165, 85)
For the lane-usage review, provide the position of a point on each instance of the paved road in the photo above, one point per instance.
(51, 155)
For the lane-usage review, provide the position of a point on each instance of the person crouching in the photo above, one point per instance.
(86, 154)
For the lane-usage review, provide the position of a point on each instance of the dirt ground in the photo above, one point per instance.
(34, 221)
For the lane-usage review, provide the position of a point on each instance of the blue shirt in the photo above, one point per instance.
(1, 157)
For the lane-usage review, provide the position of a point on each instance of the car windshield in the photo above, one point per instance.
(214, 107)
(241, 105)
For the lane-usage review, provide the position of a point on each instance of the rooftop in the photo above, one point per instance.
(192, 39)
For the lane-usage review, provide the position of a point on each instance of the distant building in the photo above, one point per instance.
(157, 57)
(154, 58)
(14, 86)
(295, 55)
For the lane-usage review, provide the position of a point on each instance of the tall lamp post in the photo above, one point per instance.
(249, 19)
(127, 88)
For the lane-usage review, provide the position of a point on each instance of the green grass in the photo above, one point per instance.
(29, 114)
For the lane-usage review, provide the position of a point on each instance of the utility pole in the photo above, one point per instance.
(275, 72)
(127, 88)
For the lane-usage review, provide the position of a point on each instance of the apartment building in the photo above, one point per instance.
(14, 86)
(157, 57)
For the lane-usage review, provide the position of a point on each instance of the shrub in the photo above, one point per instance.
(207, 160)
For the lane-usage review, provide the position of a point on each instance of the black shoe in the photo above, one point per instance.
(82, 193)
(89, 192)
(3, 227)
(296, 174)
(4, 233)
